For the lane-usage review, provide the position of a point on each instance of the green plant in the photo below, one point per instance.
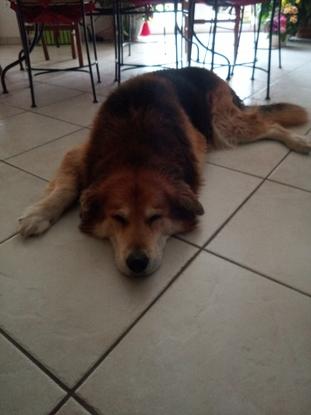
(293, 14)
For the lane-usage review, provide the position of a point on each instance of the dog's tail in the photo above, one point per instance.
(285, 114)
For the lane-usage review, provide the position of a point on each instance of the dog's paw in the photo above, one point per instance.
(32, 223)
(301, 144)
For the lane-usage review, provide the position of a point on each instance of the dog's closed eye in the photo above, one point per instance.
(154, 218)
(122, 220)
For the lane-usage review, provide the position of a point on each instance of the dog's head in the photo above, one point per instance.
(138, 211)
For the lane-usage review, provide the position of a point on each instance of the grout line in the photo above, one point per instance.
(288, 185)
(243, 202)
(60, 119)
(71, 392)
(259, 273)
(29, 109)
(25, 171)
(34, 360)
(235, 170)
(8, 238)
(133, 324)
(61, 403)
(218, 230)
(180, 238)
(85, 404)
(79, 128)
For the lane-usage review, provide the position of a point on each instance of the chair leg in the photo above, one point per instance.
(118, 40)
(214, 33)
(115, 35)
(20, 56)
(239, 16)
(89, 58)
(190, 30)
(94, 47)
(270, 49)
(78, 39)
(176, 32)
(73, 42)
(27, 57)
(45, 49)
(256, 43)
(279, 33)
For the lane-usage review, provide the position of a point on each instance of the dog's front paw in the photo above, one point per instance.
(301, 144)
(32, 223)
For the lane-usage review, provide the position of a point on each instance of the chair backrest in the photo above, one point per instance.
(52, 11)
(47, 3)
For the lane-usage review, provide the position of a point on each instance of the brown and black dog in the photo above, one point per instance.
(139, 174)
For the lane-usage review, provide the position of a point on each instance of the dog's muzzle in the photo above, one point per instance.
(137, 262)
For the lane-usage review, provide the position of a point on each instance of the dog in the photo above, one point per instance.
(138, 176)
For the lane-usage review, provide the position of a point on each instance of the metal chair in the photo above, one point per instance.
(52, 12)
(238, 7)
(124, 8)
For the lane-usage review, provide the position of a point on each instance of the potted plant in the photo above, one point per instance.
(295, 18)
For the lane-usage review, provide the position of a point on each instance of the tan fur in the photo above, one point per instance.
(61, 192)
(285, 114)
(137, 206)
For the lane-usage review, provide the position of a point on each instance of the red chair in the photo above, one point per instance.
(53, 13)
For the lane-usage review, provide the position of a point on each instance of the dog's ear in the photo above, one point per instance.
(185, 203)
(91, 208)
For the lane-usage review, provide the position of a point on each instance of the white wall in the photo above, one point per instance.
(8, 24)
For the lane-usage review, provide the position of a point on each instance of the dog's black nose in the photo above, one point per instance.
(137, 261)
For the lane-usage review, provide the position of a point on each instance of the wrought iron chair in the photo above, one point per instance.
(123, 8)
(52, 12)
(238, 7)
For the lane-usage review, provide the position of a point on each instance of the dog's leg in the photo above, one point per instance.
(234, 126)
(61, 192)
(296, 142)
(234, 123)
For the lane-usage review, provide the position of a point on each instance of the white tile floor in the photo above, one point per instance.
(224, 327)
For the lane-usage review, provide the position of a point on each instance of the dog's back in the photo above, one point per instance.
(142, 123)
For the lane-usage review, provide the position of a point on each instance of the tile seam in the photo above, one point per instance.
(79, 128)
(99, 361)
(24, 171)
(257, 272)
(35, 361)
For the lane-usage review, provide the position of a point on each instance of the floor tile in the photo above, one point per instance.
(81, 81)
(72, 408)
(221, 340)
(78, 110)
(247, 87)
(24, 389)
(15, 82)
(222, 192)
(17, 191)
(294, 170)
(271, 233)
(44, 94)
(299, 77)
(44, 160)
(255, 158)
(7, 111)
(27, 130)
(64, 299)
